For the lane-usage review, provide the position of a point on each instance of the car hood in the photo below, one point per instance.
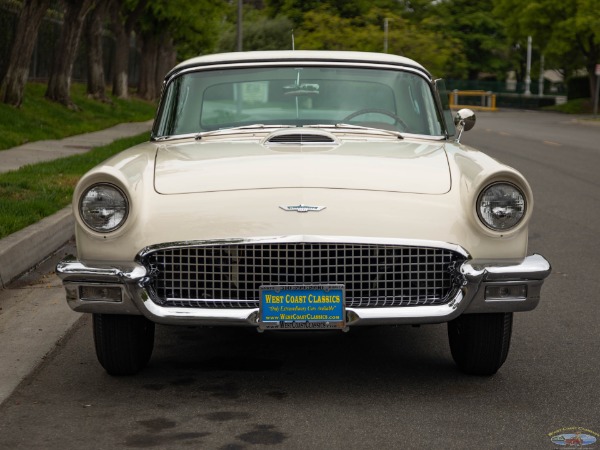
(386, 165)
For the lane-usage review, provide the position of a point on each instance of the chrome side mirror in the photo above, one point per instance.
(464, 120)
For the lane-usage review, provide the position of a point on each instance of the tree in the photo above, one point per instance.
(260, 33)
(123, 17)
(323, 29)
(481, 34)
(568, 33)
(169, 28)
(296, 10)
(59, 84)
(30, 19)
(94, 30)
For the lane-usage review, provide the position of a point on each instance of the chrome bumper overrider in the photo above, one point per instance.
(478, 278)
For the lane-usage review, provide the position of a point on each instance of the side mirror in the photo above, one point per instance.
(464, 120)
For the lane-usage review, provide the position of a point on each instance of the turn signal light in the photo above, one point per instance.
(506, 292)
(100, 293)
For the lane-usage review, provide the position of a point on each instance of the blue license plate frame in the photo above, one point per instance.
(306, 307)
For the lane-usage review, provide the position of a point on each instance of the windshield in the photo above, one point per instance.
(298, 96)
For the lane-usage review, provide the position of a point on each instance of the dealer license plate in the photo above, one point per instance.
(302, 307)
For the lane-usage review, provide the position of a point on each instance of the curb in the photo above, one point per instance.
(24, 249)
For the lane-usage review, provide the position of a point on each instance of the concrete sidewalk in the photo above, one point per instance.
(39, 151)
(24, 249)
(34, 315)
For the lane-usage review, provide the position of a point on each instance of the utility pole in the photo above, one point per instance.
(528, 69)
(239, 27)
(541, 81)
(386, 27)
(597, 73)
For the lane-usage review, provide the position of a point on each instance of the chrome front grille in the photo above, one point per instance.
(230, 276)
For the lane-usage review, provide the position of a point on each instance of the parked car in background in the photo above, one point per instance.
(305, 190)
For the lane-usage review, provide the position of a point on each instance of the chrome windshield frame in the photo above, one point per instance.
(294, 63)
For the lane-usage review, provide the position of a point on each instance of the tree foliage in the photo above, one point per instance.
(567, 32)
(452, 38)
(299, 10)
(323, 29)
(192, 24)
(260, 33)
(168, 28)
(481, 34)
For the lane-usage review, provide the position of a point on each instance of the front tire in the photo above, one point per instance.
(123, 343)
(479, 343)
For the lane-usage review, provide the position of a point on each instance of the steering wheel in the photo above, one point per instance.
(360, 112)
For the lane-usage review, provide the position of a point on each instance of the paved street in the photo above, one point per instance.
(370, 388)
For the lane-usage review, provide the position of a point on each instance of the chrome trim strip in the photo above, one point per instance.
(419, 71)
(308, 238)
(295, 63)
(348, 134)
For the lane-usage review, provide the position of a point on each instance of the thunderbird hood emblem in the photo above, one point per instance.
(303, 208)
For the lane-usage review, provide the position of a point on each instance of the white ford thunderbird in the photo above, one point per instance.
(301, 190)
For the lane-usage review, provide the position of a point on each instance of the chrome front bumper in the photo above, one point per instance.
(486, 287)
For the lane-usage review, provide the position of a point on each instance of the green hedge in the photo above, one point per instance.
(578, 87)
(523, 101)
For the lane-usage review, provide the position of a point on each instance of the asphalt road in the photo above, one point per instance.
(378, 388)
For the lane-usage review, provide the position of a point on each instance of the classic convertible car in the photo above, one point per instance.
(300, 190)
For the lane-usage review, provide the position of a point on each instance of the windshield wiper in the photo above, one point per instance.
(175, 136)
(254, 126)
(350, 126)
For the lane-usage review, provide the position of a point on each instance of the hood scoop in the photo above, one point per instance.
(293, 137)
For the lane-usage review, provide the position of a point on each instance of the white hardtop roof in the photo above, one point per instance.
(298, 55)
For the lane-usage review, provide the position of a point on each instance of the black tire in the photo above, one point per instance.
(479, 342)
(123, 343)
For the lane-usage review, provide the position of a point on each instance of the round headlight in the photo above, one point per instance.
(501, 206)
(103, 207)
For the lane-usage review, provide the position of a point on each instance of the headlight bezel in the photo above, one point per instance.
(514, 226)
(100, 230)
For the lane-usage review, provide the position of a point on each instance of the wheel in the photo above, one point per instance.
(479, 342)
(385, 112)
(123, 343)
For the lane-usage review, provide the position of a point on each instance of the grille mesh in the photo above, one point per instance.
(230, 276)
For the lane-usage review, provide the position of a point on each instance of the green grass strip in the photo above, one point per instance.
(576, 106)
(39, 190)
(38, 118)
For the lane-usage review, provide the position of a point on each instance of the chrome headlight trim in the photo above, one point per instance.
(510, 206)
(107, 217)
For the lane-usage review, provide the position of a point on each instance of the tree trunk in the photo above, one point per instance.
(96, 85)
(121, 61)
(148, 65)
(59, 84)
(167, 58)
(122, 23)
(30, 19)
(158, 57)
